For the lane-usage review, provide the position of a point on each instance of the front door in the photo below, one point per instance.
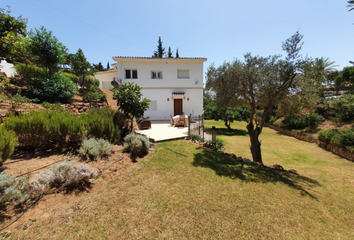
(178, 108)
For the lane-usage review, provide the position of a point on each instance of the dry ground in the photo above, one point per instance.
(22, 162)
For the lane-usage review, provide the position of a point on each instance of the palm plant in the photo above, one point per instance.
(351, 5)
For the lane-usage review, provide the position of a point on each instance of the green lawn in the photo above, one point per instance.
(183, 191)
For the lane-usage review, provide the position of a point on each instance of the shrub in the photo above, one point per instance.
(219, 145)
(12, 190)
(347, 138)
(41, 129)
(326, 136)
(296, 122)
(99, 124)
(56, 88)
(8, 143)
(342, 108)
(30, 71)
(303, 120)
(272, 119)
(53, 106)
(313, 120)
(136, 144)
(93, 149)
(94, 96)
(65, 175)
(194, 137)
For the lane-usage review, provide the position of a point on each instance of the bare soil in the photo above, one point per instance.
(22, 162)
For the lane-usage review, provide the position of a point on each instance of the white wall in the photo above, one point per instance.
(164, 108)
(169, 71)
(106, 78)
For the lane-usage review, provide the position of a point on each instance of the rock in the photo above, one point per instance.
(81, 110)
(246, 161)
(233, 156)
(277, 167)
(239, 159)
(293, 171)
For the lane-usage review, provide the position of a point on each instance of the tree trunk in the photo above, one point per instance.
(228, 124)
(255, 143)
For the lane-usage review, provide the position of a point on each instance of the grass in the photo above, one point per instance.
(182, 191)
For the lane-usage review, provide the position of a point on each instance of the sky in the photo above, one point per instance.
(222, 30)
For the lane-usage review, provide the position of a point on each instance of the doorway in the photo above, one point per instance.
(178, 107)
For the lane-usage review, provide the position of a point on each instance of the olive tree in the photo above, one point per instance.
(258, 82)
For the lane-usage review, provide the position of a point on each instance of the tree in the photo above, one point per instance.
(98, 66)
(177, 54)
(169, 53)
(345, 79)
(108, 66)
(259, 82)
(351, 5)
(12, 32)
(130, 100)
(81, 68)
(160, 52)
(46, 49)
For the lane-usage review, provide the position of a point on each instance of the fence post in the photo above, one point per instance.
(189, 126)
(199, 125)
(203, 124)
(213, 137)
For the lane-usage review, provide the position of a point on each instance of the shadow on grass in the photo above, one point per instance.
(226, 132)
(232, 168)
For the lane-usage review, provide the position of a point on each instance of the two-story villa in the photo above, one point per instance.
(174, 85)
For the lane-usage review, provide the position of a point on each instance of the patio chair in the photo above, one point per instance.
(181, 121)
(145, 124)
(172, 122)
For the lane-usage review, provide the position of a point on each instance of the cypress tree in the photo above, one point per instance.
(108, 67)
(177, 55)
(160, 50)
(169, 53)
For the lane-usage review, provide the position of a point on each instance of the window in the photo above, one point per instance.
(131, 73)
(183, 73)
(152, 106)
(156, 74)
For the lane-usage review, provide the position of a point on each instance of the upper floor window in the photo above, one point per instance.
(131, 73)
(183, 73)
(156, 74)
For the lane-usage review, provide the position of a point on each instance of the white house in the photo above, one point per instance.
(7, 68)
(174, 85)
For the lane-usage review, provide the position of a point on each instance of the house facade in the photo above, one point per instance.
(173, 85)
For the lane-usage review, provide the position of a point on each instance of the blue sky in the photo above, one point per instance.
(218, 30)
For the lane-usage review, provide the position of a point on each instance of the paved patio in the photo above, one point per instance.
(162, 131)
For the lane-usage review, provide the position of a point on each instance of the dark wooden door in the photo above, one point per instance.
(178, 108)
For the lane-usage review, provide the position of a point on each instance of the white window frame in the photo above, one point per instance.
(183, 73)
(156, 73)
(131, 73)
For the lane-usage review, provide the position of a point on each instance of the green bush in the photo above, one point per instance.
(326, 136)
(136, 144)
(57, 88)
(53, 106)
(94, 96)
(8, 143)
(43, 129)
(341, 109)
(296, 122)
(303, 120)
(313, 120)
(194, 137)
(272, 119)
(99, 124)
(27, 72)
(219, 145)
(93, 149)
